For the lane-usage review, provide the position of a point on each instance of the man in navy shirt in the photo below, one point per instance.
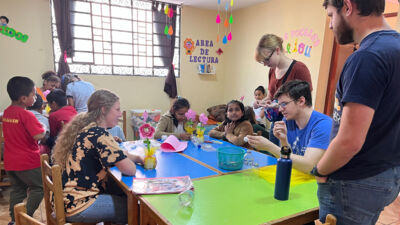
(360, 172)
(303, 129)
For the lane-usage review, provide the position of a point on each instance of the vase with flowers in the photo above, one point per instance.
(189, 125)
(200, 127)
(146, 133)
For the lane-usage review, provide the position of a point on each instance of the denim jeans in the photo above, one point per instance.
(358, 201)
(106, 208)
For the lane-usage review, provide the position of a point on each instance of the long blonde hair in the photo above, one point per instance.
(101, 99)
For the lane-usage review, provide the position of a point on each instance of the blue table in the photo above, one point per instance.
(210, 158)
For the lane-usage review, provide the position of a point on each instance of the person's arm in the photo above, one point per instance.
(354, 125)
(244, 130)
(38, 137)
(302, 163)
(127, 166)
(71, 101)
(217, 132)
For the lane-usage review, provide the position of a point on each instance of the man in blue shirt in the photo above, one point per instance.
(360, 172)
(303, 129)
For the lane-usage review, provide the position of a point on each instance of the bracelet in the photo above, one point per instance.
(315, 172)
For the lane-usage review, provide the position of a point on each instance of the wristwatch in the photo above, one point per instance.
(314, 172)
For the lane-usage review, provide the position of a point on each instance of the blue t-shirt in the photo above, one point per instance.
(117, 132)
(371, 77)
(80, 91)
(314, 135)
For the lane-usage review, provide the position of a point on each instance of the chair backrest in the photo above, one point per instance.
(21, 218)
(52, 187)
(124, 123)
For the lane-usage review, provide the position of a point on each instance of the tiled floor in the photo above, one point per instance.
(390, 216)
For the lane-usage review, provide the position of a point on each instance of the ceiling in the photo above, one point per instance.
(213, 4)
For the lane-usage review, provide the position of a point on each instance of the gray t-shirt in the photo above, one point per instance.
(80, 91)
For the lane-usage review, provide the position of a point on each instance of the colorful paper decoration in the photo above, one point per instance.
(169, 12)
(170, 30)
(219, 51)
(218, 20)
(188, 44)
(225, 40)
(230, 36)
(8, 31)
(227, 22)
(166, 30)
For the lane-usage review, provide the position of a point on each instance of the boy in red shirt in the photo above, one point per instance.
(60, 114)
(22, 131)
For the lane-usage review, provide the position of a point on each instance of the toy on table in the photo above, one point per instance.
(147, 131)
(200, 127)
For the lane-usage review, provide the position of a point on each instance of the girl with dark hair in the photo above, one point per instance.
(172, 122)
(235, 127)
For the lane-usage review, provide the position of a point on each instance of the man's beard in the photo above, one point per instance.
(344, 33)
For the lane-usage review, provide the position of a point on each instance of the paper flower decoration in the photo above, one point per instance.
(145, 116)
(203, 118)
(146, 131)
(190, 115)
(241, 98)
(219, 51)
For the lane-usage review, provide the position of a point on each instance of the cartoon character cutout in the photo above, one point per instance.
(188, 44)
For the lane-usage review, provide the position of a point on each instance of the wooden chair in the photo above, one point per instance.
(124, 123)
(330, 220)
(2, 171)
(51, 178)
(21, 218)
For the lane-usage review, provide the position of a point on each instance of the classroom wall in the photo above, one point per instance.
(280, 17)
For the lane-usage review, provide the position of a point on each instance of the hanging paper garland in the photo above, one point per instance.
(227, 22)
(169, 12)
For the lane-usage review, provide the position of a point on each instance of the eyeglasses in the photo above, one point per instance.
(267, 58)
(284, 104)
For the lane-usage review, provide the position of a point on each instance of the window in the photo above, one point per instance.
(117, 37)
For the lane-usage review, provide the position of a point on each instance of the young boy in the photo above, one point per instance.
(60, 113)
(37, 110)
(21, 132)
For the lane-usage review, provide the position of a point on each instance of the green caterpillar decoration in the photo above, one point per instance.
(8, 31)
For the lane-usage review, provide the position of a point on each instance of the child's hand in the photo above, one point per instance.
(280, 131)
(256, 104)
(229, 128)
(117, 139)
(184, 136)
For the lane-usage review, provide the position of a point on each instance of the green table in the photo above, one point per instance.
(240, 198)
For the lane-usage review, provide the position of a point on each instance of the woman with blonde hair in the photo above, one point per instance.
(270, 52)
(85, 151)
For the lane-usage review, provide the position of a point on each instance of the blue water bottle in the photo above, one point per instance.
(283, 173)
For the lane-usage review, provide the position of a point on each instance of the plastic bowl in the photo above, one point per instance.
(230, 158)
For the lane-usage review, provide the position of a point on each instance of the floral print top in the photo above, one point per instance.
(83, 179)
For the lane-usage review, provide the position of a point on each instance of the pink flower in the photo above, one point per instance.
(146, 131)
(203, 118)
(145, 116)
(190, 115)
(241, 98)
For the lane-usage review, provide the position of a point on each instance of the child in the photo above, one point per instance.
(259, 95)
(22, 131)
(37, 110)
(117, 133)
(60, 113)
(173, 121)
(249, 114)
(235, 127)
(77, 90)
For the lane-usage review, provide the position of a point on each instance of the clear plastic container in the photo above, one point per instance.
(248, 159)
